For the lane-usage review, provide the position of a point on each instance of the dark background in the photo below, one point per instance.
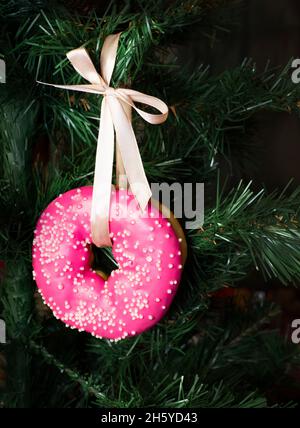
(264, 30)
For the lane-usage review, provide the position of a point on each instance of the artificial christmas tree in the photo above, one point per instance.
(213, 348)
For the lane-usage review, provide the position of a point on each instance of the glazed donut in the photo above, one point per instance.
(149, 252)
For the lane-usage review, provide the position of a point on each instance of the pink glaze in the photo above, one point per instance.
(136, 296)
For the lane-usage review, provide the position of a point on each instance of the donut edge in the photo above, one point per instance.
(167, 213)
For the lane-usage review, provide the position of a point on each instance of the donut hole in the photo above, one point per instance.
(102, 260)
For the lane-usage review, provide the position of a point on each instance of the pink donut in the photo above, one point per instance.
(135, 296)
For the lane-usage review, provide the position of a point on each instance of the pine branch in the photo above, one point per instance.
(254, 328)
(16, 208)
(211, 121)
(248, 228)
(85, 383)
(15, 309)
(215, 111)
(175, 394)
(11, 9)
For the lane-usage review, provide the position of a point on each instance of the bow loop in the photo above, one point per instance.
(82, 63)
(129, 96)
(108, 56)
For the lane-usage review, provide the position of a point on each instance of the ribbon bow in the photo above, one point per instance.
(115, 116)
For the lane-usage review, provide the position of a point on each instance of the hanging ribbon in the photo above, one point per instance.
(115, 118)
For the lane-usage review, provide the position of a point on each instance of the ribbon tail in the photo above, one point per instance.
(121, 178)
(130, 153)
(102, 180)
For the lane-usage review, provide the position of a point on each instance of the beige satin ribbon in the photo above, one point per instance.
(113, 119)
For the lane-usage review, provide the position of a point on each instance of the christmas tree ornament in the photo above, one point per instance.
(148, 247)
(148, 250)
